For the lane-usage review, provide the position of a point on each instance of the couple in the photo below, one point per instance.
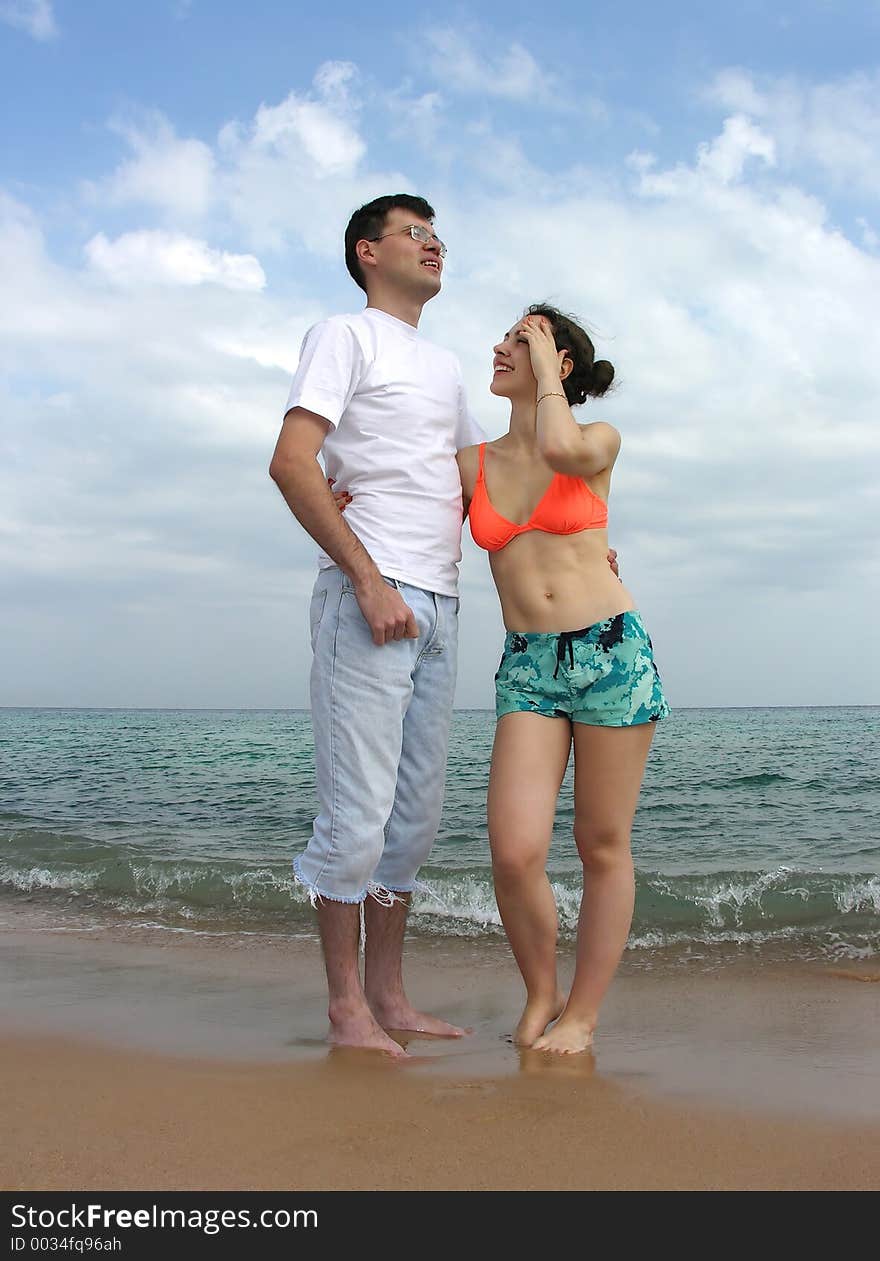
(387, 409)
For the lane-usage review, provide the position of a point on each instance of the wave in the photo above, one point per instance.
(839, 909)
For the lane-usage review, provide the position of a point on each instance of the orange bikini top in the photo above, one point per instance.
(567, 507)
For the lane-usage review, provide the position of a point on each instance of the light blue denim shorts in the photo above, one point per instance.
(381, 718)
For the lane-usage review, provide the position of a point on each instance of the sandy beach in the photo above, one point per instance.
(135, 1062)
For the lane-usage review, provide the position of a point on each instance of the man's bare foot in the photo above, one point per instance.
(400, 1015)
(569, 1036)
(538, 1014)
(355, 1026)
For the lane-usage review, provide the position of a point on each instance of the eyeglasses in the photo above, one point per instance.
(418, 233)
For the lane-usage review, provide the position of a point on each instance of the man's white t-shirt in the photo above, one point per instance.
(397, 412)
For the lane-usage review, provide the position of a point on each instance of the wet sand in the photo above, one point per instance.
(163, 1061)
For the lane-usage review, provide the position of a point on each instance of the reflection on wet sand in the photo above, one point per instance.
(548, 1063)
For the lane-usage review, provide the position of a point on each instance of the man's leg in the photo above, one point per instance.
(360, 694)
(352, 1023)
(415, 819)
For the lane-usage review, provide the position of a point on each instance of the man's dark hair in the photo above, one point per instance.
(368, 222)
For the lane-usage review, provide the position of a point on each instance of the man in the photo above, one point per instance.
(388, 410)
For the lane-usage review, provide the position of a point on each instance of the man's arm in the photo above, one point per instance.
(468, 460)
(299, 477)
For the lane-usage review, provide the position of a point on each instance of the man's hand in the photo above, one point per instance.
(386, 612)
(612, 561)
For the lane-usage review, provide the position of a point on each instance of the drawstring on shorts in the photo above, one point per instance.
(565, 641)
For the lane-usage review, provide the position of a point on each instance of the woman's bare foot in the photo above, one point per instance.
(400, 1015)
(355, 1026)
(569, 1036)
(537, 1015)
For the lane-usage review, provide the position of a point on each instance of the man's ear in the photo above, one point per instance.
(366, 255)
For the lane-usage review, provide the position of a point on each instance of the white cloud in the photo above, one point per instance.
(297, 170)
(297, 126)
(277, 176)
(171, 258)
(334, 81)
(176, 175)
(722, 160)
(33, 16)
(321, 129)
(513, 74)
(833, 127)
(473, 62)
(726, 156)
(734, 89)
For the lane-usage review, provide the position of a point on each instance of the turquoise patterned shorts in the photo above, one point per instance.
(603, 675)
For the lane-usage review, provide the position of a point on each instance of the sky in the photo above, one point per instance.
(702, 188)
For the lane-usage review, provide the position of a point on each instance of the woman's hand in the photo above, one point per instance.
(546, 359)
(341, 497)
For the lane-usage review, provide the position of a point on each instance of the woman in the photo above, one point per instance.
(577, 667)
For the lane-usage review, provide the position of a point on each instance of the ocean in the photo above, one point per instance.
(758, 831)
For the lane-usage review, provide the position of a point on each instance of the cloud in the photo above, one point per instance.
(35, 17)
(725, 158)
(276, 178)
(293, 174)
(832, 127)
(137, 518)
(170, 258)
(175, 175)
(305, 127)
(513, 75)
(472, 62)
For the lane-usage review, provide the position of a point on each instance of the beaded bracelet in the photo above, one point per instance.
(551, 394)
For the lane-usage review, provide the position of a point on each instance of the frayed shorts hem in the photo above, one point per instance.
(381, 893)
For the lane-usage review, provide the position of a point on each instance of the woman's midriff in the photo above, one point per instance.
(552, 582)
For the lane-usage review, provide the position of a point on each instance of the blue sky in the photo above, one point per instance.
(702, 187)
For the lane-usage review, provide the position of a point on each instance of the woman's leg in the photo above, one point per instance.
(528, 762)
(609, 764)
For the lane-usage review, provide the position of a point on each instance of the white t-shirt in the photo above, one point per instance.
(397, 412)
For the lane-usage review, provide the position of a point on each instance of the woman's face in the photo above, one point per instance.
(512, 376)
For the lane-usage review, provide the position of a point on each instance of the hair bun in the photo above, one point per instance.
(603, 375)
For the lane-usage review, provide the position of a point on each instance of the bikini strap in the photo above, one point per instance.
(482, 450)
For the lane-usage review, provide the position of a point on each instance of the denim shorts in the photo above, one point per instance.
(603, 675)
(381, 718)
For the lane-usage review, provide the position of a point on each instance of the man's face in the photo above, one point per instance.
(413, 266)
